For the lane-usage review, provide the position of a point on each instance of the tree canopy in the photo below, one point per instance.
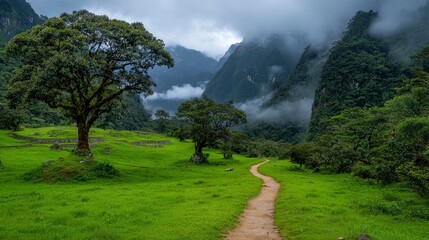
(83, 63)
(208, 122)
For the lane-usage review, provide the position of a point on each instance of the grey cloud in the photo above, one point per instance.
(396, 15)
(212, 25)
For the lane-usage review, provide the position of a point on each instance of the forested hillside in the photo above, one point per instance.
(358, 73)
(370, 115)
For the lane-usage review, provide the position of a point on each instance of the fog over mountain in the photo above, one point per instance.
(212, 26)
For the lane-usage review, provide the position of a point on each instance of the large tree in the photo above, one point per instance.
(83, 63)
(209, 122)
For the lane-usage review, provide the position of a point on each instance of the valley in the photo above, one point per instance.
(215, 120)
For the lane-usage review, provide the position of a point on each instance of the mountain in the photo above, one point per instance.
(251, 69)
(291, 101)
(192, 70)
(225, 57)
(304, 80)
(364, 68)
(16, 16)
(190, 67)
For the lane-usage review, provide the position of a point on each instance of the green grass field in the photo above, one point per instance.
(159, 194)
(313, 206)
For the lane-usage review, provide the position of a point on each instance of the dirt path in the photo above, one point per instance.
(257, 221)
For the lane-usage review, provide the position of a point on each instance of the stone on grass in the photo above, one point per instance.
(229, 169)
(364, 237)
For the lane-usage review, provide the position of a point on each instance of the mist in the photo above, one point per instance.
(288, 111)
(397, 15)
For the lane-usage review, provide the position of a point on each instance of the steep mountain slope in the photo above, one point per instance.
(253, 68)
(16, 16)
(291, 101)
(304, 80)
(226, 56)
(188, 77)
(358, 73)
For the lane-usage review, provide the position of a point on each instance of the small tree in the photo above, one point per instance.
(82, 63)
(209, 122)
(162, 119)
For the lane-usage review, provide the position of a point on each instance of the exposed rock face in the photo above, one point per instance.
(16, 16)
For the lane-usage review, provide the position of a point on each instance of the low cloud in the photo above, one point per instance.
(396, 15)
(183, 92)
(287, 111)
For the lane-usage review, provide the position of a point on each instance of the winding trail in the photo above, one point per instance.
(257, 221)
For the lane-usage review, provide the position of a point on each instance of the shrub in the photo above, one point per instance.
(416, 177)
(362, 170)
(70, 170)
(105, 170)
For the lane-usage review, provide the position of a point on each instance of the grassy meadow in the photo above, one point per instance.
(313, 206)
(159, 194)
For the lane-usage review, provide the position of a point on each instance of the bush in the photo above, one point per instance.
(416, 177)
(362, 170)
(70, 170)
(307, 154)
(105, 170)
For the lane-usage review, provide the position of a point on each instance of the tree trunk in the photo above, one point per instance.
(199, 157)
(82, 147)
(199, 147)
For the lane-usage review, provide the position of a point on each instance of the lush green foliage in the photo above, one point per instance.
(83, 63)
(158, 195)
(162, 119)
(388, 143)
(316, 206)
(357, 73)
(208, 122)
(290, 131)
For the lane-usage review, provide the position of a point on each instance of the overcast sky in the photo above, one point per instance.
(212, 26)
